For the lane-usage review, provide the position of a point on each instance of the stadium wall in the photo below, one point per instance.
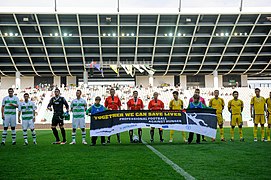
(7, 82)
(244, 81)
(209, 81)
(183, 81)
(57, 81)
(71, 80)
(26, 82)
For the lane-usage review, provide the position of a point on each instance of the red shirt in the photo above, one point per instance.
(135, 105)
(112, 104)
(156, 105)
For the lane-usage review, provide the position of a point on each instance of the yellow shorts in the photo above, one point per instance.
(259, 119)
(236, 120)
(269, 119)
(219, 119)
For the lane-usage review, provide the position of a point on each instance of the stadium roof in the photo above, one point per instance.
(174, 43)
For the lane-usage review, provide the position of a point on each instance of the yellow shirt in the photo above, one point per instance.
(217, 104)
(236, 106)
(176, 105)
(258, 105)
(268, 102)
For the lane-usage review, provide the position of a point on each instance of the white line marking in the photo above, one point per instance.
(177, 168)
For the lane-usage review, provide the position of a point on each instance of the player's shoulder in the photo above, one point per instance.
(241, 100)
(160, 100)
(252, 100)
(32, 103)
(6, 97)
(212, 99)
(180, 100)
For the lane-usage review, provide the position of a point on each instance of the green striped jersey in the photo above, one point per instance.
(27, 109)
(78, 108)
(8, 109)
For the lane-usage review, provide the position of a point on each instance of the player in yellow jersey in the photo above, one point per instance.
(235, 107)
(176, 104)
(257, 110)
(268, 116)
(218, 104)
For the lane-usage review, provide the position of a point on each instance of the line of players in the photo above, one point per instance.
(26, 109)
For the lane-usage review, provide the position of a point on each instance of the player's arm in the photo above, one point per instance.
(162, 105)
(267, 112)
(128, 105)
(142, 105)
(50, 104)
(223, 104)
(265, 109)
(2, 110)
(210, 103)
(34, 112)
(170, 105)
(88, 111)
(66, 104)
(13, 104)
(150, 106)
(119, 104)
(242, 106)
(203, 101)
(252, 107)
(85, 105)
(19, 114)
(106, 103)
(251, 110)
(71, 106)
(229, 106)
(34, 115)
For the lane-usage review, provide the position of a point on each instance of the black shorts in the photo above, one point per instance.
(57, 120)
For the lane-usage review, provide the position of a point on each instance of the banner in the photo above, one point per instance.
(115, 68)
(201, 121)
(138, 68)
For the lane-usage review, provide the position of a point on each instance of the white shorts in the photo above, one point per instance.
(76, 123)
(9, 121)
(27, 124)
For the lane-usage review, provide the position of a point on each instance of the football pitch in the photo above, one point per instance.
(208, 160)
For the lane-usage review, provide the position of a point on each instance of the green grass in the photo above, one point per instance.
(219, 160)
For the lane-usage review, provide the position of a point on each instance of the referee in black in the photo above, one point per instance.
(58, 102)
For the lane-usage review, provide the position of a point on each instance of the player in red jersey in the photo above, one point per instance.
(156, 105)
(112, 102)
(135, 104)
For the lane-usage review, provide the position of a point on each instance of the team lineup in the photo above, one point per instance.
(260, 111)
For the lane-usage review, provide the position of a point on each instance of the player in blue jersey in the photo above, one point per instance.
(196, 104)
(96, 108)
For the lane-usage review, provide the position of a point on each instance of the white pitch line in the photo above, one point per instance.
(177, 168)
